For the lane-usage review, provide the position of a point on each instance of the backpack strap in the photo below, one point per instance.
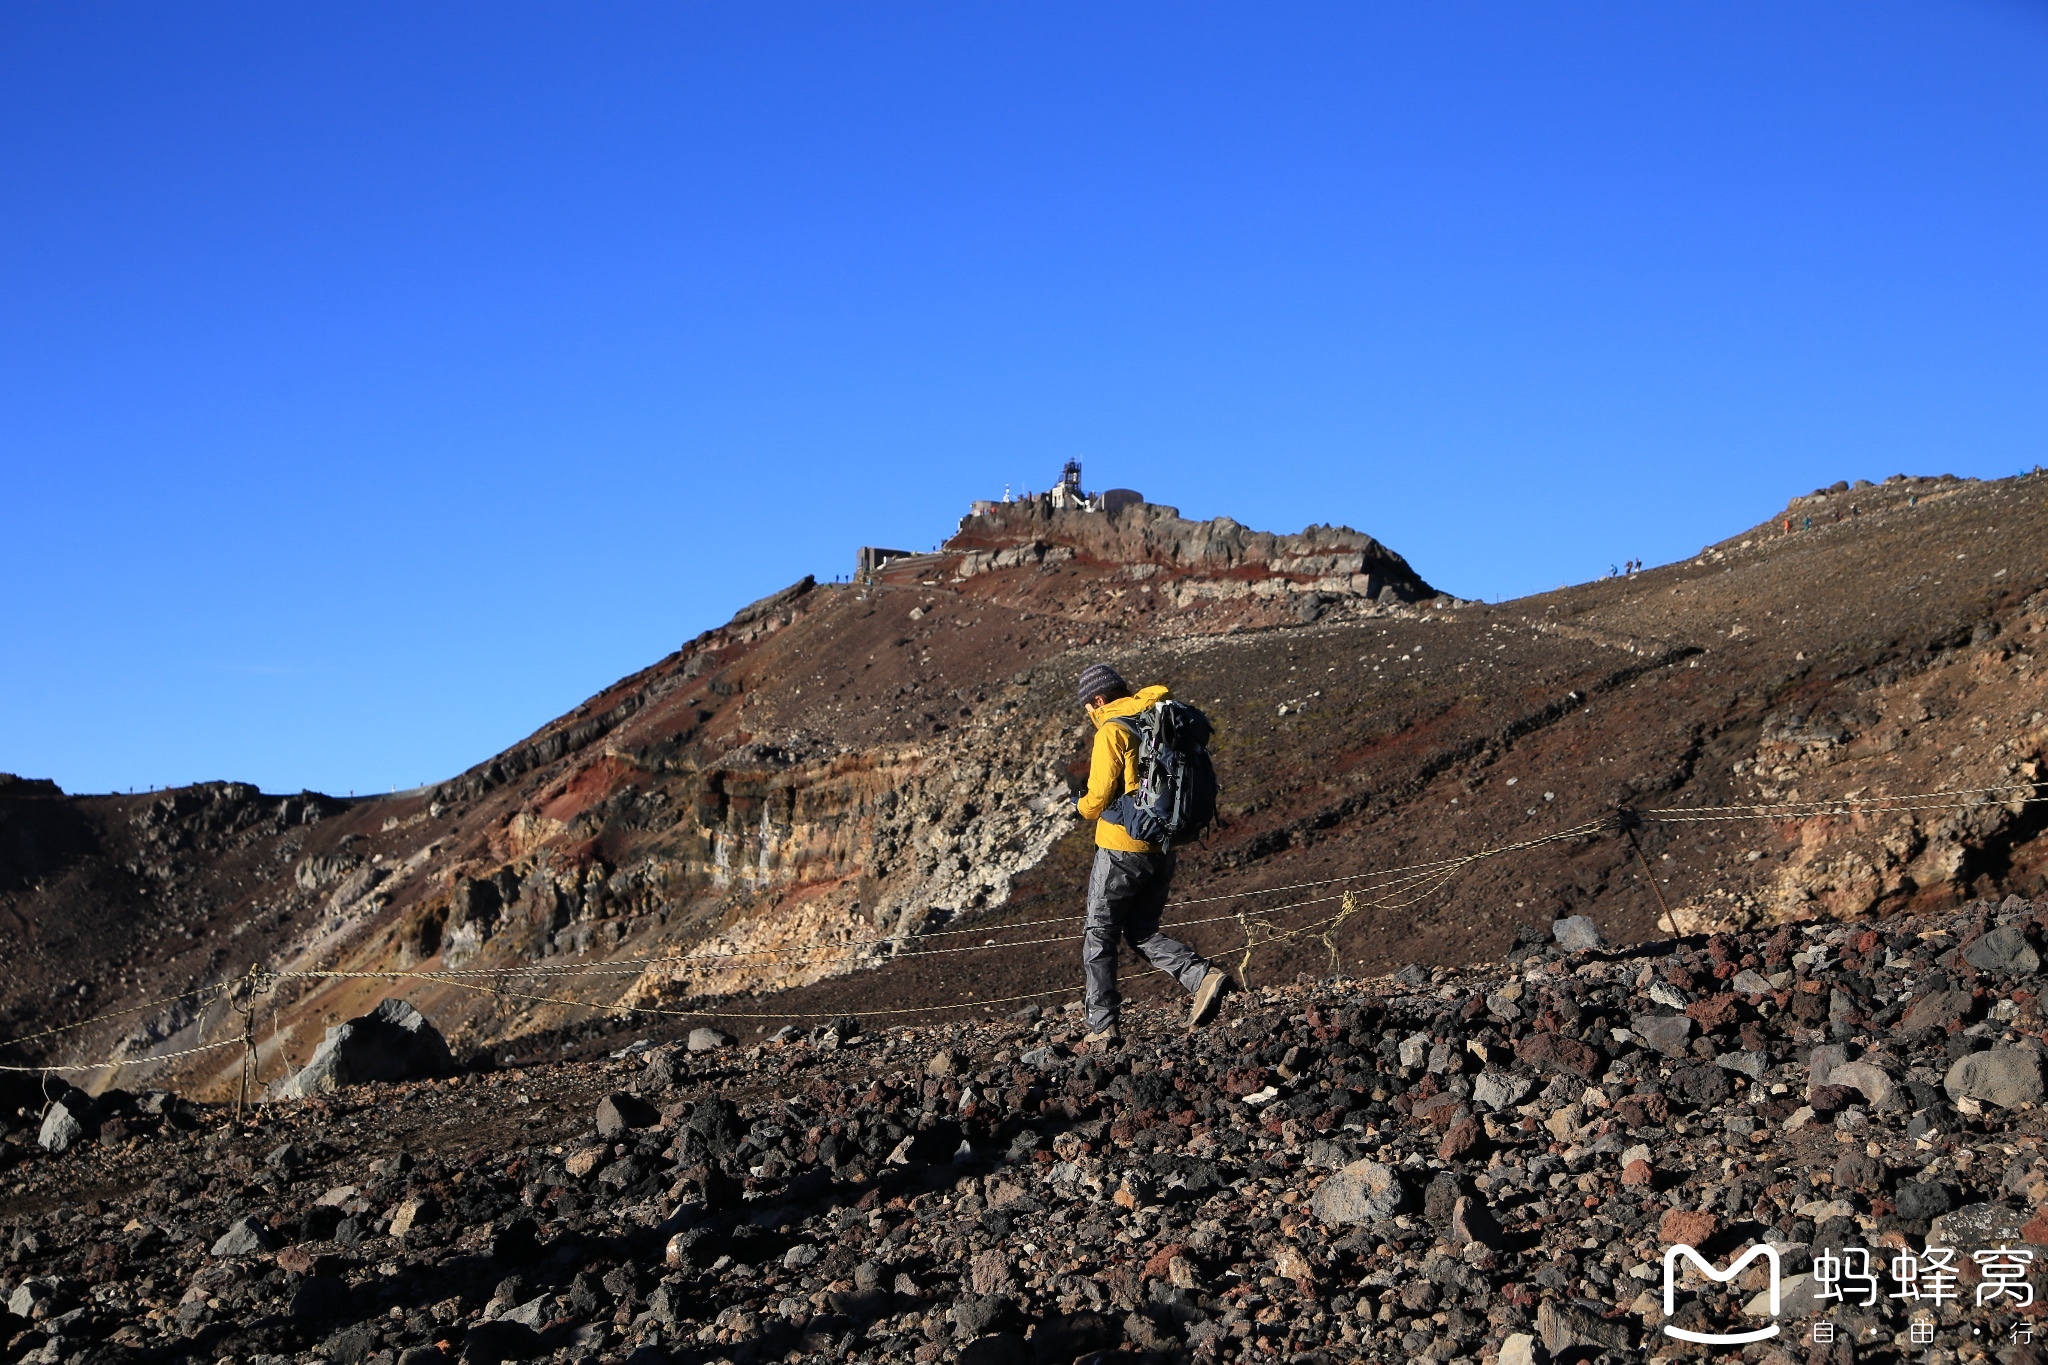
(1125, 724)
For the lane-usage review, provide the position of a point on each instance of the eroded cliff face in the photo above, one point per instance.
(1967, 719)
(787, 809)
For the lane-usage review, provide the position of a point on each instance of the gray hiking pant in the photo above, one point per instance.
(1126, 893)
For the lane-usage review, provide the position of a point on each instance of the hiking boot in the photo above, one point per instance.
(1208, 997)
(1104, 1037)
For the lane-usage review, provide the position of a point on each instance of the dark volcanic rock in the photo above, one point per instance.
(392, 1042)
(1419, 1175)
(2004, 950)
(620, 1112)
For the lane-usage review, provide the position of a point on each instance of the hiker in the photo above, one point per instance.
(1127, 887)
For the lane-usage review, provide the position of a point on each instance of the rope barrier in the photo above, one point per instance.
(122, 1061)
(778, 1014)
(1911, 796)
(1833, 808)
(1398, 887)
(1428, 876)
(203, 991)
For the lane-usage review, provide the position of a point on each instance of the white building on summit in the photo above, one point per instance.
(1068, 496)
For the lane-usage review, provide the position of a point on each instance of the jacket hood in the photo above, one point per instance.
(1124, 707)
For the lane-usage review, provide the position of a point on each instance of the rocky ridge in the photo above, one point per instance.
(1478, 1163)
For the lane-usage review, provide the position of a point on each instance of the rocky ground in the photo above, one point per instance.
(1474, 1163)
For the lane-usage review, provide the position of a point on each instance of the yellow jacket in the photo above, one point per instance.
(1113, 769)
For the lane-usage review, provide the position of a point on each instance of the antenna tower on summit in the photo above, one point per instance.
(1067, 492)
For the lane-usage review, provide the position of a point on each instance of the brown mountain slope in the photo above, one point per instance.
(847, 776)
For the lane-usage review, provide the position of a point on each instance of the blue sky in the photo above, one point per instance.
(378, 381)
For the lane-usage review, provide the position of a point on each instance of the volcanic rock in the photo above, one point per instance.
(34, 1298)
(61, 1125)
(763, 1218)
(621, 1112)
(1937, 1009)
(2007, 1077)
(1564, 1328)
(1977, 1225)
(1363, 1192)
(392, 1042)
(244, 1237)
(2004, 951)
(1500, 1089)
(1871, 1080)
(1667, 1033)
(1576, 932)
(1919, 1201)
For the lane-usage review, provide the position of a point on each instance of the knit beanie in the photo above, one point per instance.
(1100, 680)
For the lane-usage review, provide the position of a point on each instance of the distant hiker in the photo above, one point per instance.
(1146, 777)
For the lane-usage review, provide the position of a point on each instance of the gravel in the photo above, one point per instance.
(1482, 1165)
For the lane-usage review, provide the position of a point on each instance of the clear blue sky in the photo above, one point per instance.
(378, 381)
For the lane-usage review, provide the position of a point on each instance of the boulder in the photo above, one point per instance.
(1566, 1328)
(976, 1314)
(1575, 932)
(244, 1237)
(1500, 1089)
(1858, 1170)
(1712, 1012)
(63, 1125)
(1472, 1221)
(713, 1128)
(1558, 1052)
(2007, 1077)
(393, 1042)
(1937, 1009)
(1689, 1226)
(1977, 1225)
(1518, 1349)
(665, 1067)
(1326, 1155)
(1703, 1086)
(34, 1298)
(2005, 952)
(708, 1040)
(1877, 1086)
(993, 1272)
(1665, 1033)
(1363, 1192)
(619, 1113)
(1822, 1063)
(1798, 1299)
(581, 1162)
(1918, 1201)
(413, 1212)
